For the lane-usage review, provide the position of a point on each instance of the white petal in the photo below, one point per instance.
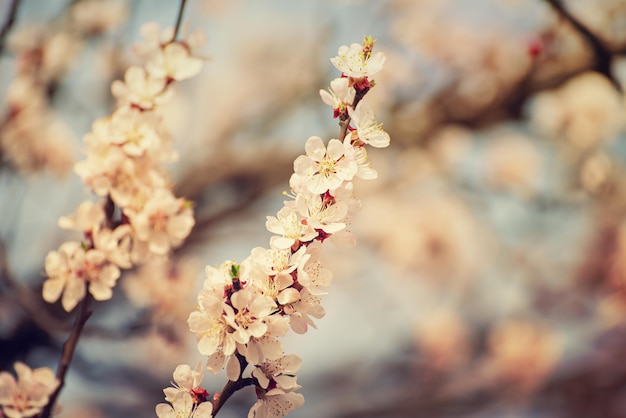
(288, 296)
(260, 376)
(215, 362)
(281, 243)
(182, 376)
(379, 139)
(327, 98)
(335, 149)
(204, 410)
(52, 289)
(298, 324)
(100, 291)
(233, 368)
(164, 410)
(74, 293)
(315, 148)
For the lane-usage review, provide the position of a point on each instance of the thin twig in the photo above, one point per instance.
(179, 19)
(69, 347)
(233, 386)
(603, 55)
(229, 389)
(8, 24)
(344, 123)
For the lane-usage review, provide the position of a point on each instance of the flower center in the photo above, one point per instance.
(327, 167)
(158, 220)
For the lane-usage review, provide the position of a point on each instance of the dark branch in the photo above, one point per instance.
(603, 56)
(8, 24)
(69, 347)
(179, 19)
(233, 386)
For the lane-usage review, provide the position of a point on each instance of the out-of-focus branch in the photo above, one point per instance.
(204, 224)
(250, 177)
(602, 54)
(8, 23)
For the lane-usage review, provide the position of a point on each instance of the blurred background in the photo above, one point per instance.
(489, 277)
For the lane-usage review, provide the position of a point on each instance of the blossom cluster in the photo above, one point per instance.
(25, 396)
(32, 136)
(245, 308)
(137, 216)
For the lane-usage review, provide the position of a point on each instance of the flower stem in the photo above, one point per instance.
(233, 386)
(344, 123)
(179, 19)
(69, 347)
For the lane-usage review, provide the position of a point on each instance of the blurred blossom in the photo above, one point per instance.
(612, 309)
(215, 7)
(28, 394)
(450, 145)
(277, 81)
(165, 287)
(443, 340)
(586, 112)
(31, 149)
(480, 62)
(32, 137)
(437, 238)
(96, 16)
(522, 353)
(405, 79)
(159, 351)
(513, 163)
(43, 53)
(595, 172)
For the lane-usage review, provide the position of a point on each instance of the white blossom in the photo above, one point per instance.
(164, 221)
(276, 403)
(69, 271)
(141, 89)
(367, 129)
(353, 62)
(281, 370)
(290, 227)
(325, 168)
(209, 325)
(26, 396)
(184, 406)
(340, 95)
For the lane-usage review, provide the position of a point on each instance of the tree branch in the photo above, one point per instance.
(69, 347)
(179, 19)
(233, 386)
(8, 24)
(344, 123)
(603, 55)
